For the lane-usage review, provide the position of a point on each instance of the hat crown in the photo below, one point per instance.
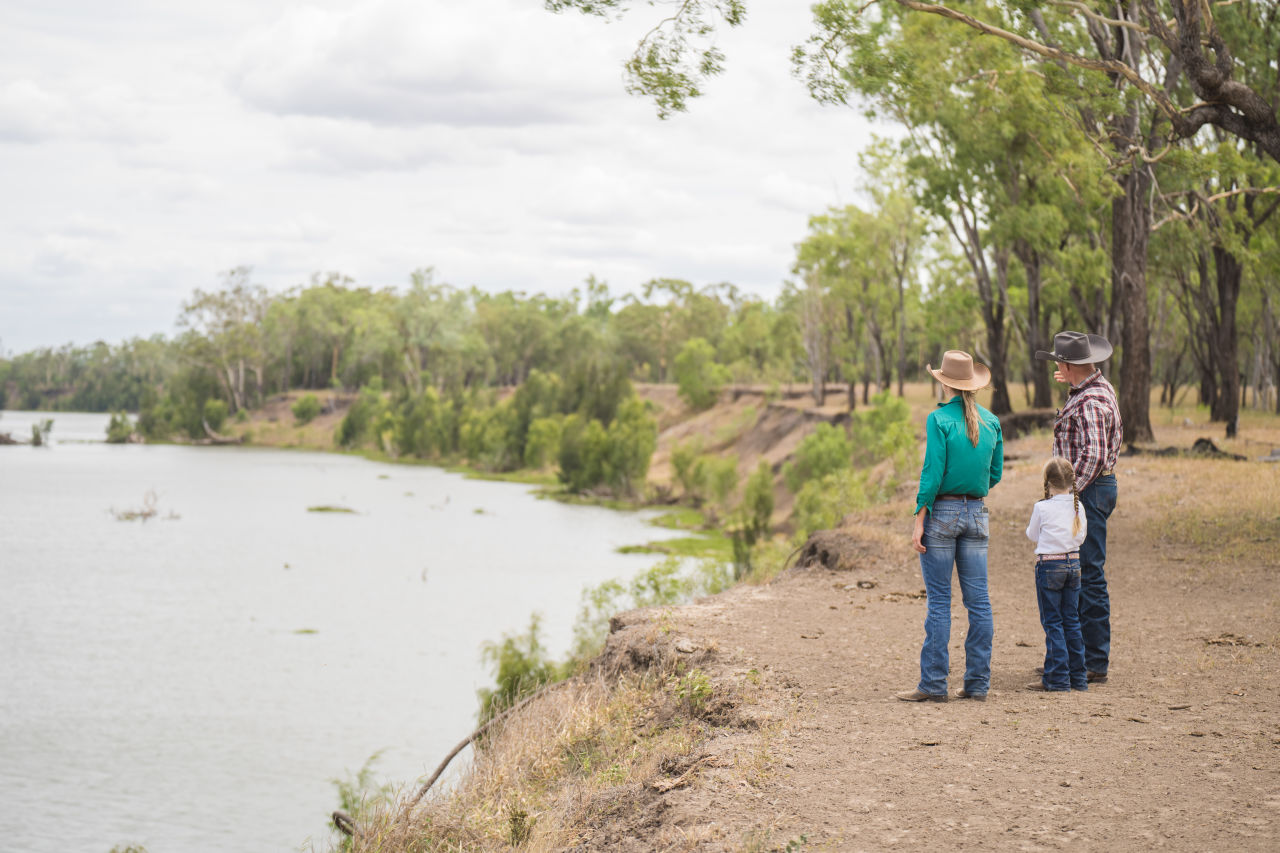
(1071, 344)
(957, 364)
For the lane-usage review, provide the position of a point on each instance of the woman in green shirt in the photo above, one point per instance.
(963, 459)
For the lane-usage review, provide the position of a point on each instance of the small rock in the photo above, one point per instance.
(686, 646)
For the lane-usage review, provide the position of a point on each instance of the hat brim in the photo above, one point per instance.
(981, 378)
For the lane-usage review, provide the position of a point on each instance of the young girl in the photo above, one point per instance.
(1058, 527)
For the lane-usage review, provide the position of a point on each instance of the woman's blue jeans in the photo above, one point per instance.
(955, 533)
(1058, 593)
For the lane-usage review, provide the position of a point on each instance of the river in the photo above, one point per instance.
(196, 682)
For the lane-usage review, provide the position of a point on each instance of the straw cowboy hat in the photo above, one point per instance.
(960, 371)
(1077, 348)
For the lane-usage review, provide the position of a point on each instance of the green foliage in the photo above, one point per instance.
(521, 667)
(661, 585)
(360, 795)
(823, 502)
(884, 432)
(119, 428)
(697, 375)
(40, 432)
(721, 478)
(824, 451)
(215, 413)
(750, 524)
(675, 57)
(686, 462)
(694, 690)
(616, 459)
(306, 409)
(357, 423)
(542, 442)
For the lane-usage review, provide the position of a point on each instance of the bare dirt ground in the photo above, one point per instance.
(1179, 750)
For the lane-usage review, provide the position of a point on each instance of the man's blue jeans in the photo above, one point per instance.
(955, 533)
(1058, 593)
(1099, 499)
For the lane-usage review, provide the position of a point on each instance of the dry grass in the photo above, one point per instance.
(1227, 511)
(574, 759)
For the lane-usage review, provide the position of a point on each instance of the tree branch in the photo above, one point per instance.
(1109, 66)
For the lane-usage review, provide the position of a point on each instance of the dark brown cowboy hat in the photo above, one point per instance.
(961, 372)
(1077, 348)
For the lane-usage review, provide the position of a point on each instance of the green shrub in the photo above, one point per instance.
(356, 424)
(421, 428)
(119, 429)
(721, 479)
(750, 524)
(521, 666)
(691, 474)
(215, 413)
(616, 458)
(306, 409)
(485, 438)
(633, 436)
(542, 441)
(884, 431)
(822, 503)
(698, 376)
(824, 451)
(40, 432)
(583, 450)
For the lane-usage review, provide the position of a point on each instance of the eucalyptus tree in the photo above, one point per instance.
(228, 327)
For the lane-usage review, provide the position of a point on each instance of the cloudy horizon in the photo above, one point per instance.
(149, 147)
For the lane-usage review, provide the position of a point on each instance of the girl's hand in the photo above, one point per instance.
(917, 536)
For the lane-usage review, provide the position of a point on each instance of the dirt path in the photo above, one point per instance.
(1180, 750)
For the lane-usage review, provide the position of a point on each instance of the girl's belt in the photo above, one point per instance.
(957, 497)
(1074, 555)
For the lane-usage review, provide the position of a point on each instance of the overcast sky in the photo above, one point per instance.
(148, 145)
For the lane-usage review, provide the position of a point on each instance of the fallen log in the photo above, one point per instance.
(1202, 448)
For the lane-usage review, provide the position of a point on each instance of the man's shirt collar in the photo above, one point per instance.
(1092, 378)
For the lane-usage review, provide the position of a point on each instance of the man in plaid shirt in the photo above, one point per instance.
(1088, 432)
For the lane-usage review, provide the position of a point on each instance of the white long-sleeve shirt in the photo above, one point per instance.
(1050, 526)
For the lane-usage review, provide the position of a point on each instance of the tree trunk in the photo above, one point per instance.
(1130, 234)
(1030, 260)
(1226, 404)
(902, 329)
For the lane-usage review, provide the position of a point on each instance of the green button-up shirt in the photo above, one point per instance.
(953, 466)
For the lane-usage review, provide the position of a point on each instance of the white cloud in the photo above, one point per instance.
(395, 62)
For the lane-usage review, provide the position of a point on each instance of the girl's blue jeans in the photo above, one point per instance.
(955, 533)
(1058, 592)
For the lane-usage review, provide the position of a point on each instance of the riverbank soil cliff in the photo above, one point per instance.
(797, 742)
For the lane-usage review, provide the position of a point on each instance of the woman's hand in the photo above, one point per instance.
(917, 536)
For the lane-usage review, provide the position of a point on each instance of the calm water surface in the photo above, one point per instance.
(195, 682)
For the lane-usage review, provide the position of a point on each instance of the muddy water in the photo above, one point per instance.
(195, 681)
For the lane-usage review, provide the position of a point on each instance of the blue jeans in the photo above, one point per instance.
(1058, 593)
(955, 533)
(1099, 499)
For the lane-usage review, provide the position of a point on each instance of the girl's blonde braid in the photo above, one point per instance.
(1075, 511)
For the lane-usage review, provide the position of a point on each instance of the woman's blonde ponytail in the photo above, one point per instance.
(971, 419)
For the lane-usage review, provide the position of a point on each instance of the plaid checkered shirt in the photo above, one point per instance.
(1088, 430)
